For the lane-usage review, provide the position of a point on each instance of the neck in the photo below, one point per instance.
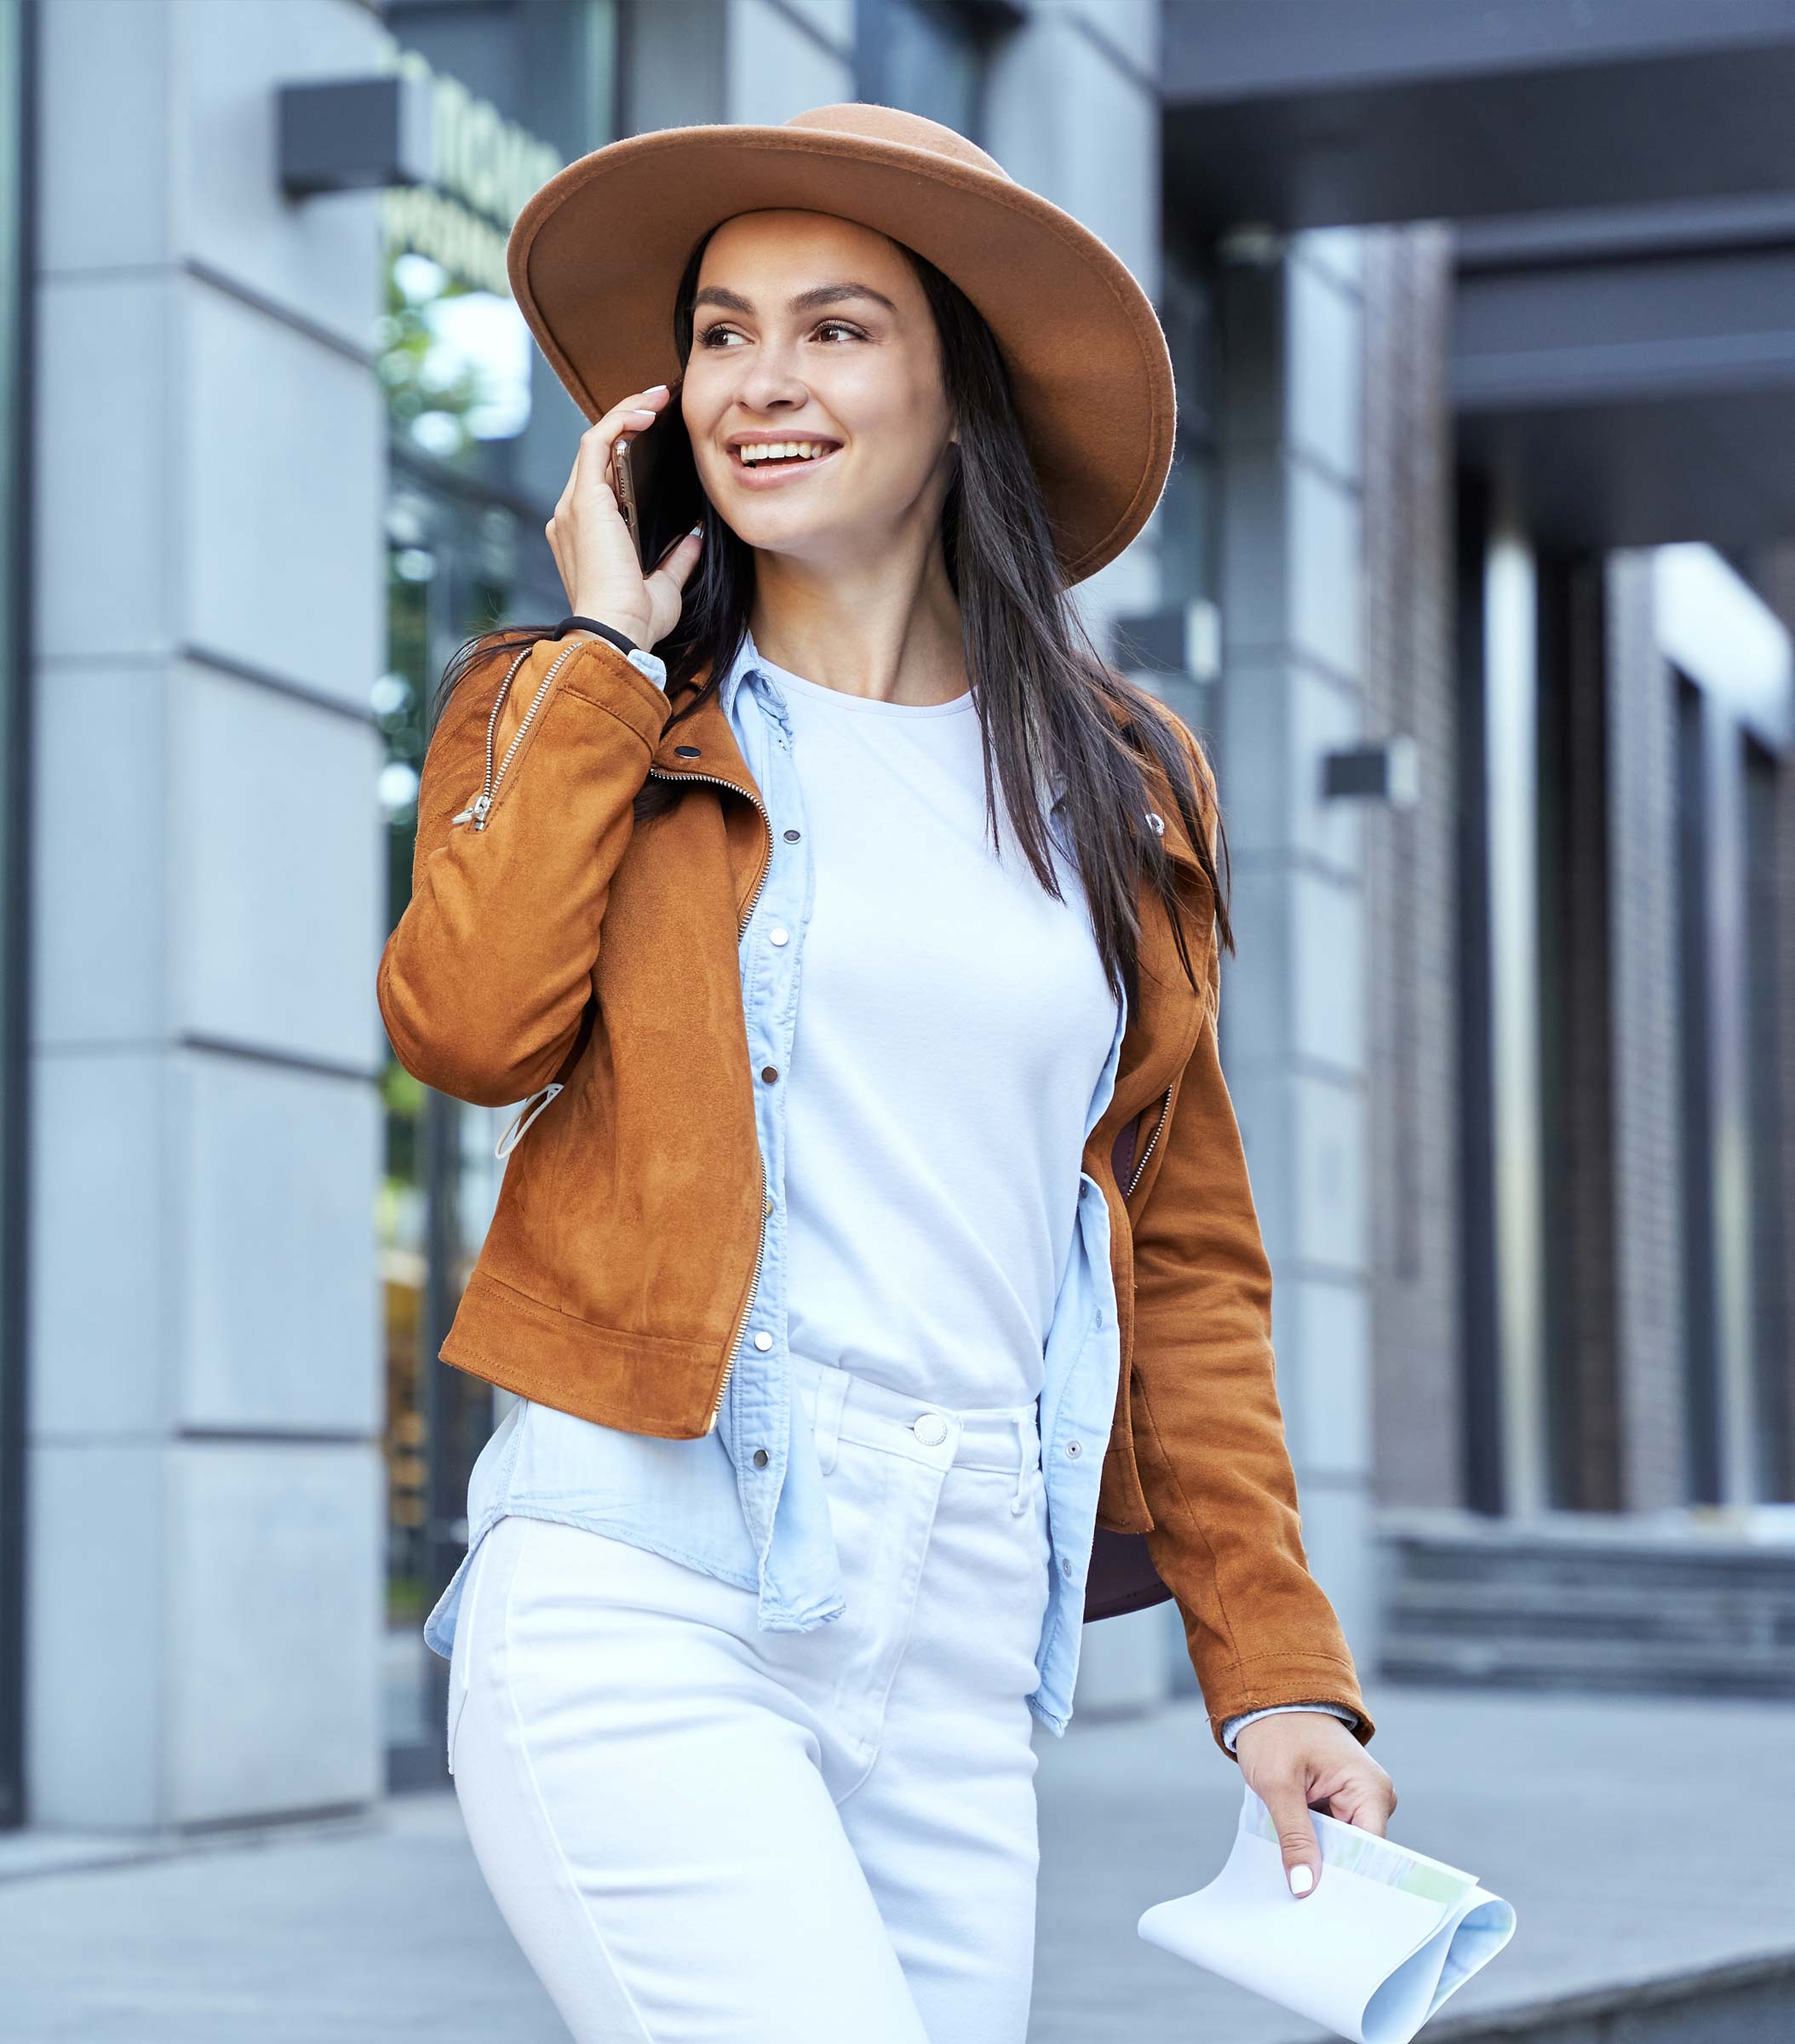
(888, 630)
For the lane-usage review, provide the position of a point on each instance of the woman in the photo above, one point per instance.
(831, 1355)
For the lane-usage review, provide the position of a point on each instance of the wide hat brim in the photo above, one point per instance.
(596, 256)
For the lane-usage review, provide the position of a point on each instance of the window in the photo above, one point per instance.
(481, 437)
(928, 57)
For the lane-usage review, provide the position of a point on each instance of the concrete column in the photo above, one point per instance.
(1511, 743)
(1711, 626)
(206, 1495)
(1072, 111)
(784, 56)
(1293, 999)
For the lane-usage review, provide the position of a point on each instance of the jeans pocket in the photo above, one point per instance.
(460, 1659)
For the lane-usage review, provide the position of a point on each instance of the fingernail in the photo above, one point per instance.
(640, 411)
(697, 531)
(652, 388)
(1302, 1880)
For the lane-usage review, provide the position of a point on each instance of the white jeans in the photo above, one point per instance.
(699, 1831)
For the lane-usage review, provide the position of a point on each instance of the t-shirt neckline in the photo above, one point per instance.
(818, 691)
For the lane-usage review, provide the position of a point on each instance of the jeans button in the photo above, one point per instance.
(932, 1430)
(760, 1458)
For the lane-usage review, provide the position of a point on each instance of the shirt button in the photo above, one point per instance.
(1074, 1449)
(778, 934)
(763, 1340)
(769, 1072)
(1065, 1565)
(760, 1458)
(932, 1430)
(791, 837)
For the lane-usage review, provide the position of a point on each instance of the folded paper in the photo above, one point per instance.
(1385, 1937)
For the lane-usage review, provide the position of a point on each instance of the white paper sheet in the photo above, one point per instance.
(1387, 1934)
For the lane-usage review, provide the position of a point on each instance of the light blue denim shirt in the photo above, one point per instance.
(708, 1502)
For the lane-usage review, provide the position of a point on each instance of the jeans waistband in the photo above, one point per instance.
(857, 1408)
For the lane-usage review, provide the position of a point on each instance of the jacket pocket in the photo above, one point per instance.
(1121, 1505)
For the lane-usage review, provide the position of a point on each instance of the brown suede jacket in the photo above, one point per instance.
(549, 940)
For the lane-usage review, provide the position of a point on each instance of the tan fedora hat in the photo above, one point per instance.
(596, 255)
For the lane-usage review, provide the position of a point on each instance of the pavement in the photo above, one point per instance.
(1642, 1840)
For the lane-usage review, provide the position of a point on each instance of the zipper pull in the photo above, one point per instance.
(475, 813)
(526, 1115)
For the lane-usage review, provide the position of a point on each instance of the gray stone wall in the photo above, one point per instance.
(205, 1532)
(1293, 998)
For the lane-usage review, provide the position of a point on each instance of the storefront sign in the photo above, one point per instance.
(486, 167)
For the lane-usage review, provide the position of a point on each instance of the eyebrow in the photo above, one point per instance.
(806, 301)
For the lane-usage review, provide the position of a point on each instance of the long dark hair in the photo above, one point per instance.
(1048, 703)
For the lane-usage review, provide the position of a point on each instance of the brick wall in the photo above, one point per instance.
(1411, 886)
(1642, 756)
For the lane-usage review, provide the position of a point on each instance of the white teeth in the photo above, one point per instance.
(768, 451)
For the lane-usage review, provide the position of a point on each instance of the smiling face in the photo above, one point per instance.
(813, 393)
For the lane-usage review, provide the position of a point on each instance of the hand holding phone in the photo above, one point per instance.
(594, 542)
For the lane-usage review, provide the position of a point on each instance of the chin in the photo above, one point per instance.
(792, 535)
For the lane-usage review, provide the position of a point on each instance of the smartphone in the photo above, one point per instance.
(656, 482)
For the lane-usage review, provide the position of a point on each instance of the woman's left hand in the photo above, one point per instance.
(1301, 1757)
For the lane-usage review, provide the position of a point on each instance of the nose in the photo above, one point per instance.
(770, 383)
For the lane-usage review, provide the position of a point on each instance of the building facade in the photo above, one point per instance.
(1473, 569)
(1569, 949)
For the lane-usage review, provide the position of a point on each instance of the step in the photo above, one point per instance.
(1743, 2001)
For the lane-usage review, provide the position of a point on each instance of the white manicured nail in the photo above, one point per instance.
(1302, 1880)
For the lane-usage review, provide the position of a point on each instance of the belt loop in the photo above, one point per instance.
(1019, 1501)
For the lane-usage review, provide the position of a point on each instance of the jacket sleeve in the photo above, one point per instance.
(484, 979)
(1210, 1434)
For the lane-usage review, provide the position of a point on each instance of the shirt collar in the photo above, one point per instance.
(748, 658)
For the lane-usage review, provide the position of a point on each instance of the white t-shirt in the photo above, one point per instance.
(952, 1020)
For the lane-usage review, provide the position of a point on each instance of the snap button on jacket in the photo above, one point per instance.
(557, 953)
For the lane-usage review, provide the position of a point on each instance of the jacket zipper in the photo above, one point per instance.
(476, 811)
(1140, 1165)
(526, 1115)
(729, 1361)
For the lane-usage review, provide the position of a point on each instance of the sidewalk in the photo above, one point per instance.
(1611, 1824)
(1637, 1837)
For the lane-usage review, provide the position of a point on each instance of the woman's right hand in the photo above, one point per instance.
(592, 546)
